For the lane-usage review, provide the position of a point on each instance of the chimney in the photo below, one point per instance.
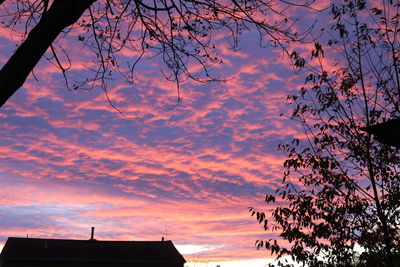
(92, 235)
(162, 238)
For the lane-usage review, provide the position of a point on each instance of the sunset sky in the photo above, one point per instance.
(70, 161)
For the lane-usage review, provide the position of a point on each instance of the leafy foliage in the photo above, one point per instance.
(341, 188)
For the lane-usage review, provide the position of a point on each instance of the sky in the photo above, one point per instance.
(70, 161)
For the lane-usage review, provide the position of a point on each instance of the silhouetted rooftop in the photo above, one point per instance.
(38, 249)
(386, 132)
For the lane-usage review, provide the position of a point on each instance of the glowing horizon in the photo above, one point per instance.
(69, 161)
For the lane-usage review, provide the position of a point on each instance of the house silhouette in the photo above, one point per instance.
(40, 252)
(387, 132)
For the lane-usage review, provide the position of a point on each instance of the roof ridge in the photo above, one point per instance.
(90, 240)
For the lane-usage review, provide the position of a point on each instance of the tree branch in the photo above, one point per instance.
(60, 15)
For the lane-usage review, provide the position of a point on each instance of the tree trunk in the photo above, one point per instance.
(60, 15)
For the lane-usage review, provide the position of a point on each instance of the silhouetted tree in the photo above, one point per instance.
(341, 188)
(180, 31)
